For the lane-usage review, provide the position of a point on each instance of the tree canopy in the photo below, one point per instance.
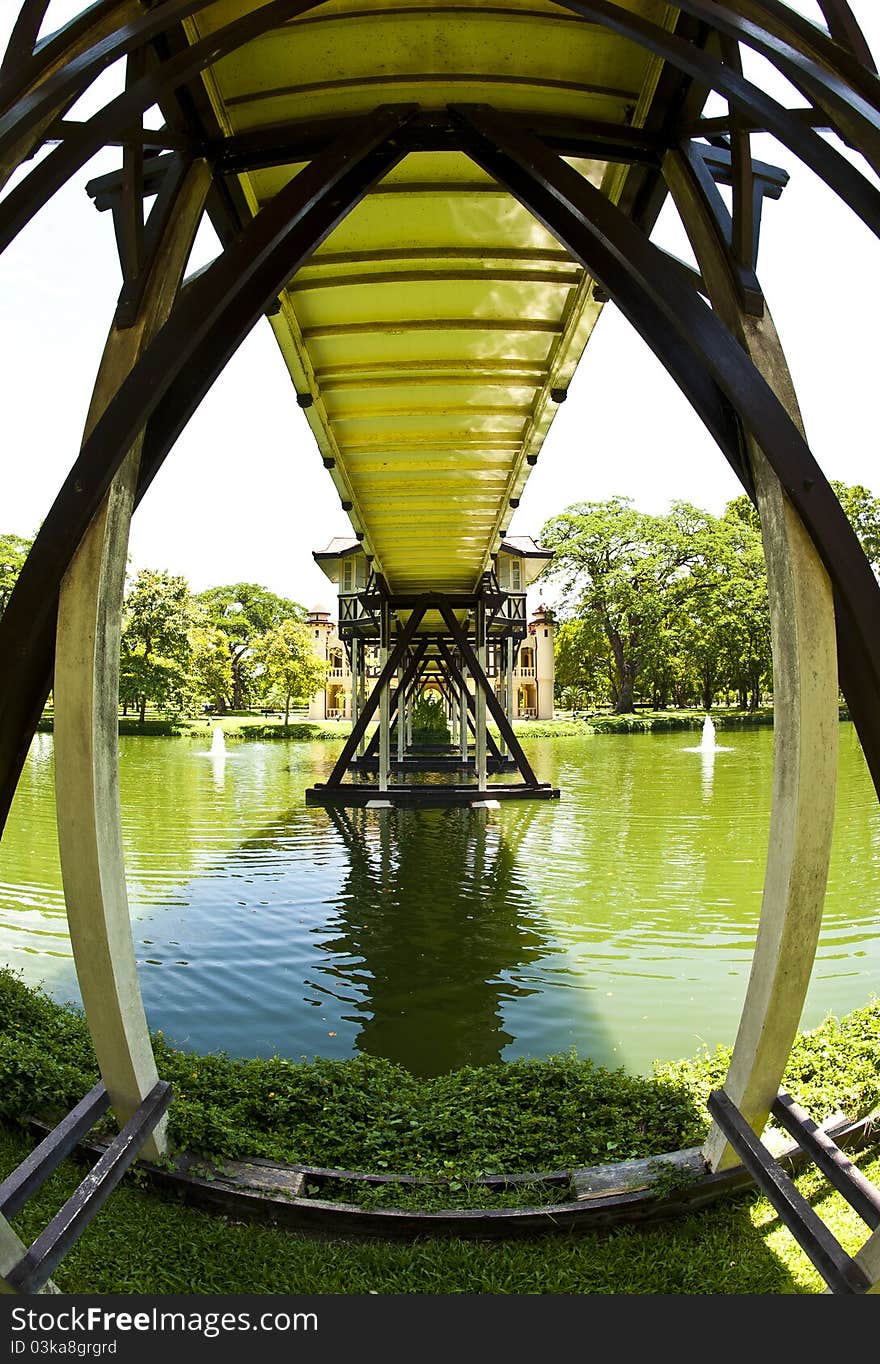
(286, 664)
(155, 652)
(14, 549)
(670, 608)
(243, 613)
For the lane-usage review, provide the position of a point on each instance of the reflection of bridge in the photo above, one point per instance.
(431, 203)
(433, 906)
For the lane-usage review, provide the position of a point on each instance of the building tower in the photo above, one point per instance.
(542, 629)
(320, 627)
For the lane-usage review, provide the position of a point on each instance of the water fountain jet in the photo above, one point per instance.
(707, 743)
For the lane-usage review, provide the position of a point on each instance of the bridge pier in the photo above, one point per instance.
(453, 657)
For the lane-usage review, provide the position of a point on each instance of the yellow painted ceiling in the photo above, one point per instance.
(432, 324)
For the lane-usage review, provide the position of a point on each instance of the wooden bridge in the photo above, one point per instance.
(431, 203)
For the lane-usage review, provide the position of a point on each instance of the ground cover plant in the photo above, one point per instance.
(366, 1113)
(369, 1114)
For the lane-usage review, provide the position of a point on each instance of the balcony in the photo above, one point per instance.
(523, 672)
(336, 675)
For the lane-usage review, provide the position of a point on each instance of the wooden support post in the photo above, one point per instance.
(480, 717)
(384, 700)
(355, 683)
(456, 678)
(507, 686)
(362, 689)
(106, 22)
(401, 715)
(462, 715)
(481, 682)
(805, 719)
(86, 705)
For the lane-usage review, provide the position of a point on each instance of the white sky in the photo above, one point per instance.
(243, 496)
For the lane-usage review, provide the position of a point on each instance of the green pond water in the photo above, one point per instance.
(619, 921)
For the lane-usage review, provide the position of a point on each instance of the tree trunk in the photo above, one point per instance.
(286, 708)
(143, 710)
(625, 702)
(624, 680)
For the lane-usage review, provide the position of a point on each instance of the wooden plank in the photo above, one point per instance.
(68, 1224)
(837, 1169)
(263, 1175)
(631, 1176)
(839, 1271)
(35, 1169)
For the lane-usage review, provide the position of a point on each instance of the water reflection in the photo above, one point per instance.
(434, 926)
(707, 761)
(620, 920)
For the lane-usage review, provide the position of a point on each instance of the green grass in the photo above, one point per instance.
(244, 725)
(142, 1242)
(368, 1114)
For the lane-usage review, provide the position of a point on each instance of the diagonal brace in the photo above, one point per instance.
(458, 678)
(475, 668)
(395, 658)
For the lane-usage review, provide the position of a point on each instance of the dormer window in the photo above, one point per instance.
(515, 575)
(347, 575)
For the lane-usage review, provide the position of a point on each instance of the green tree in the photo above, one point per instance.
(14, 549)
(287, 664)
(626, 568)
(583, 663)
(860, 504)
(863, 510)
(155, 655)
(210, 665)
(244, 612)
(723, 627)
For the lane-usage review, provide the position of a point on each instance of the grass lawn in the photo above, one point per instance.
(368, 1114)
(142, 1242)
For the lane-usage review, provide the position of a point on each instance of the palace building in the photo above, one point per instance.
(519, 561)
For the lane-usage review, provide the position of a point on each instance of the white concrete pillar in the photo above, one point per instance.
(11, 1252)
(806, 723)
(480, 716)
(401, 717)
(86, 690)
(868, 1259)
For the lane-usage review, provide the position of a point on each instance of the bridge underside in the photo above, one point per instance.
(422, 658)
(432, 204)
